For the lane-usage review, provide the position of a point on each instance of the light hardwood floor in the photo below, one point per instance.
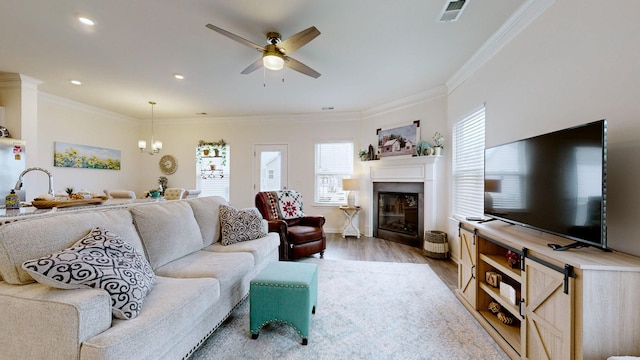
(374, 249)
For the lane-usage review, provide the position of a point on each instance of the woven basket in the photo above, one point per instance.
(436, 244)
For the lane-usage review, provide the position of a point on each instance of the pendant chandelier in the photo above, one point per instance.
(156, 145)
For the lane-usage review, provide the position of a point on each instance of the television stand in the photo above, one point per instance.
(547, 304)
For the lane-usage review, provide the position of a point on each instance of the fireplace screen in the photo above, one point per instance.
(398, 212)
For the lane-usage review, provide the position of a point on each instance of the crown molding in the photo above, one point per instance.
(86, 108)
(405, 102)
(529, 11)
(273, 119)
(12, 80)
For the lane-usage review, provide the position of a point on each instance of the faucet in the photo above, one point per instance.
(19, 183)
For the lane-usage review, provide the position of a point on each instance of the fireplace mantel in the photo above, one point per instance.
(425, 169)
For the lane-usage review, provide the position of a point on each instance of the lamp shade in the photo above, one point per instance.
(350, 184)
(493, 186)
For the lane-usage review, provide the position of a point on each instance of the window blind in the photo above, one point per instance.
(468, 165)
(334, 161)
(214, 183)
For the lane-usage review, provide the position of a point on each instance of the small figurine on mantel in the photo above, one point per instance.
(371, 154)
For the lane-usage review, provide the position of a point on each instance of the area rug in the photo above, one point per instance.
(366, 310)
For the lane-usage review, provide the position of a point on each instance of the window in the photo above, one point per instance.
(334, 161)
(468, 165)
(212, 172)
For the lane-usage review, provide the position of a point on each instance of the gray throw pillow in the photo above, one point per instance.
(101, 260)
(240, 225)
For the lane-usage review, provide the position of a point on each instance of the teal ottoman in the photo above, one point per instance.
(285, 292)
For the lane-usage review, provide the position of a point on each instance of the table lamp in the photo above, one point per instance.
(350, 185)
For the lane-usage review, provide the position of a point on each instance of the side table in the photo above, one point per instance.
(350, 229)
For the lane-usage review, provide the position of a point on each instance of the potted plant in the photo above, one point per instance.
(438, 139)
(364, 156)
(218, 147)
(154, 193)
(163, 183)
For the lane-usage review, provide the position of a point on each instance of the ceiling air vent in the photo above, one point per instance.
(452, 10)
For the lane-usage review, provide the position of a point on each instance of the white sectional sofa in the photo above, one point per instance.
(198, 282)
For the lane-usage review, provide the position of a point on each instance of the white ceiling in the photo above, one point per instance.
(369, 52)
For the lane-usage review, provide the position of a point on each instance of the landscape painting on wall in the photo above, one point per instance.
(85, 156)
(399, 141)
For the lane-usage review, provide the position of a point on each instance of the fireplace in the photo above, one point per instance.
(420, 175)
(397, 210)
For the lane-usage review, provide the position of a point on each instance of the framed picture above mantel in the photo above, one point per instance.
(399, 141)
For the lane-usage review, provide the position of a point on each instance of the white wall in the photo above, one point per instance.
(65, 121)
(576, 63)
(68, 121)
(300, 132)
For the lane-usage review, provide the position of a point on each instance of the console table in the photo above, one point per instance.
(350, 229)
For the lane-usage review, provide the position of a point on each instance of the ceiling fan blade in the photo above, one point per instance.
(235, 37)
(295, 42)
(253, 67)
(296, 65)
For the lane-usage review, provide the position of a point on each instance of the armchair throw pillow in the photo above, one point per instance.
(101, 259)
(284, 204)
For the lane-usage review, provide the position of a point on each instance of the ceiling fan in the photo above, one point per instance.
(275, 55)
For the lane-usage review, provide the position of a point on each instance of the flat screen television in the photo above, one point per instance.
(555, 182)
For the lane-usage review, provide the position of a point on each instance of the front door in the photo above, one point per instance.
(270, 167)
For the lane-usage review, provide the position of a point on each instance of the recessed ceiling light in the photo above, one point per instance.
(86, 20)
(76, 82)
(178, 76)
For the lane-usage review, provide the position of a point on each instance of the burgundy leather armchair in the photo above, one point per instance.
(300, 235)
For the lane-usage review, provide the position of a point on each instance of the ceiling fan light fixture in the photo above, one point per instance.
(273, 61)
(277, 51)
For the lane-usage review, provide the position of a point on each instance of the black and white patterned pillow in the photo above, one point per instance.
(101, 259)
(240, 225)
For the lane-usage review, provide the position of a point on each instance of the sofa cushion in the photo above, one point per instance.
(101, 259)
(240, 225)
(170, 312)
(264, 249)
(168, 230)
(206, 212)
(38, 236)
(228, 268)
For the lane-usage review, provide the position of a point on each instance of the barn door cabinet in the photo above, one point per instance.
(575, 304)
(467, 266)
